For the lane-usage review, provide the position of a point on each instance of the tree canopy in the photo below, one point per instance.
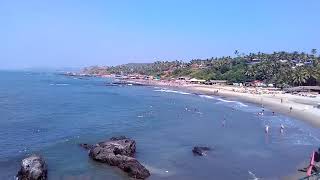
(279, 68)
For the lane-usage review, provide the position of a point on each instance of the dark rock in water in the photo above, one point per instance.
(32, 168)
(118, 151)
(199, 150)
(86, 146)
(118, 138)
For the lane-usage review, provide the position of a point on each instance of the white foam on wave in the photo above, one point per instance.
(172, 91)
(159, 171)
(242, 104)
(228, 101)
(59, 84)
(202, 96)
(206, 96)
(223, 100)
(253, 176)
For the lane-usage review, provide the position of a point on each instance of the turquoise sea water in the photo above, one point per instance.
(50, 114)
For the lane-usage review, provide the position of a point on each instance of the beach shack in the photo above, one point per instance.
(237, 84)
(309, 89)
(148, 77)
(183, 78)
(256, 83)
(216, 82)
(196, 81)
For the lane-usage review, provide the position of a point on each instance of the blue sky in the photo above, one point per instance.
(77, 33)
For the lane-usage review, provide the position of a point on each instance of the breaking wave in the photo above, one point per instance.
(172, 91)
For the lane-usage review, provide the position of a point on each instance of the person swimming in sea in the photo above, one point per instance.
(266, 129)
(224, 122)
(281, 128)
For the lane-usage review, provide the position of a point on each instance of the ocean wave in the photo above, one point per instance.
(242, 104)
(253, 176)
(172, 91)
(228, 101)
(206, 96)
(59, 84)
(223, 100)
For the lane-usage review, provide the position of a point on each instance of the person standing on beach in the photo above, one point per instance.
(281, 100)
(290, 108)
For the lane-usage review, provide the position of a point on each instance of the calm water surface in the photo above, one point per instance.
(50, 114)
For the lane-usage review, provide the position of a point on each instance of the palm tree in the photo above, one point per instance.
(236, 52)
(300, 76)
(314, 51)
(314, 72)
(251, 72)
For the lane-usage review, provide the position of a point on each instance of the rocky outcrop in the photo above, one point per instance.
(118, 151)
(32, 168)
(86, 146)
(200, 150)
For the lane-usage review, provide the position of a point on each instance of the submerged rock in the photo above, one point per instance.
(118, 151)
(86, 146)
(32, 168)
(200, 150)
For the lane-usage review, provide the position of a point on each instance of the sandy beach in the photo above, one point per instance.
(302, 107)
(277, 101)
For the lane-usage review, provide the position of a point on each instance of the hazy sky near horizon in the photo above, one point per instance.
(77, 33)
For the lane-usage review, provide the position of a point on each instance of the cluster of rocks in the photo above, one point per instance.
(117, 151)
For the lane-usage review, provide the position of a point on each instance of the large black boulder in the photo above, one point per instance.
(118, 151)
(32, 168)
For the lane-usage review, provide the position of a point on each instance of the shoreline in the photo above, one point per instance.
(302, 107)
(299, 111)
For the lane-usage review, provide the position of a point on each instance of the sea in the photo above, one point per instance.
(50, 114)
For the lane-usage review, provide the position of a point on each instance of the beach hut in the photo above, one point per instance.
(216, 82)
(196, 81)
(258, 83)
(310, 89)
(183, 78)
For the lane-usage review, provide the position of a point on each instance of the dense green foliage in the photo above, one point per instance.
(279, 68)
